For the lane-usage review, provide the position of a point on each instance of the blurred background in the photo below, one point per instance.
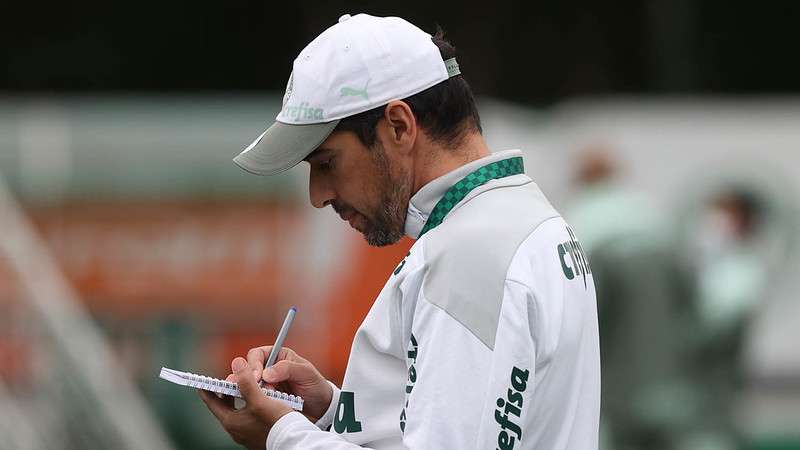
(666, 131)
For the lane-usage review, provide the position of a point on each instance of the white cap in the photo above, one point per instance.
(358, 64)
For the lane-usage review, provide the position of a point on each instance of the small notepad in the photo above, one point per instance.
(224, 387)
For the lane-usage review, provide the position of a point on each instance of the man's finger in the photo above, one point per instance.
(245, 380)
(278, 372)
(219, 407)
(257, 357)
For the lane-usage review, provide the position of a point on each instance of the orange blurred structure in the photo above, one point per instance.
(224, 264)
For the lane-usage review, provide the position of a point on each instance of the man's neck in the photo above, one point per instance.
(439, 160)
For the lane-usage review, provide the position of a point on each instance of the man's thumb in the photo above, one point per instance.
(244, 378)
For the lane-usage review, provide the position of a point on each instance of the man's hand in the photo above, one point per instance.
(250, 425)
(294, 375)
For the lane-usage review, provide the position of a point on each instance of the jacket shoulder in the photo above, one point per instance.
(469, 254)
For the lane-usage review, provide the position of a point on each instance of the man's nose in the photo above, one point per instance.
(319, 190)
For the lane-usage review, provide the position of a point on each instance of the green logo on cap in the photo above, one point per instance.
(302, 112)
(353, 92)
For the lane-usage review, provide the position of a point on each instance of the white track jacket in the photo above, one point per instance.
(484, 337)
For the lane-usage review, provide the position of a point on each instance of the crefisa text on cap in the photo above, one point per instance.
(302, 112)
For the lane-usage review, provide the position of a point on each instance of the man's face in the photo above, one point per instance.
(363, 185)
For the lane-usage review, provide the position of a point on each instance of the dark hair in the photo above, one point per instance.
(446, 112)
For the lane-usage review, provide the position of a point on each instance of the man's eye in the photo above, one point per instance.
(326, 165)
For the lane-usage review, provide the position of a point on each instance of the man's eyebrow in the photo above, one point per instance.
(320, 152)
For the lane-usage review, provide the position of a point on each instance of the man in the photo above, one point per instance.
(485, 335)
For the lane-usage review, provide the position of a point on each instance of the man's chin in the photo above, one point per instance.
(381, 238)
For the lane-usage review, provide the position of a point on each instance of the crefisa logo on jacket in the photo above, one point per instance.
(345, 420)
(573, 259)
(509, 410)
(412, 370)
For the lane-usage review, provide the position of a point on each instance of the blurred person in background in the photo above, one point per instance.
(644, 307)
(732, 278)
(731, 275)
(485, 335)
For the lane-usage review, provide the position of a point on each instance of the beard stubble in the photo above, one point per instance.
(393, 190)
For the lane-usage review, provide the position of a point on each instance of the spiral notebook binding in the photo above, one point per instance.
(223, 386)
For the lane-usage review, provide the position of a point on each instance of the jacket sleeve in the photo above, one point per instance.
(295, 431)
(460, 392)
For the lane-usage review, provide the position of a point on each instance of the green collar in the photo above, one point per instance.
(457, 192)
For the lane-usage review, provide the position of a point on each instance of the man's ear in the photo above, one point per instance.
(400, 126)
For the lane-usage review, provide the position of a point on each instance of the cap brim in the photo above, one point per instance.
(282, 146)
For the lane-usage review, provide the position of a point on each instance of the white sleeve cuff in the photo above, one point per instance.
(326, 420)
(289, 423)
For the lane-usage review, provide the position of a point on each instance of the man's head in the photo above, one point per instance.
(365, 168)
(364, 163)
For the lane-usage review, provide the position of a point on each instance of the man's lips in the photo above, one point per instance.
(347, 215)
(350, 216)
